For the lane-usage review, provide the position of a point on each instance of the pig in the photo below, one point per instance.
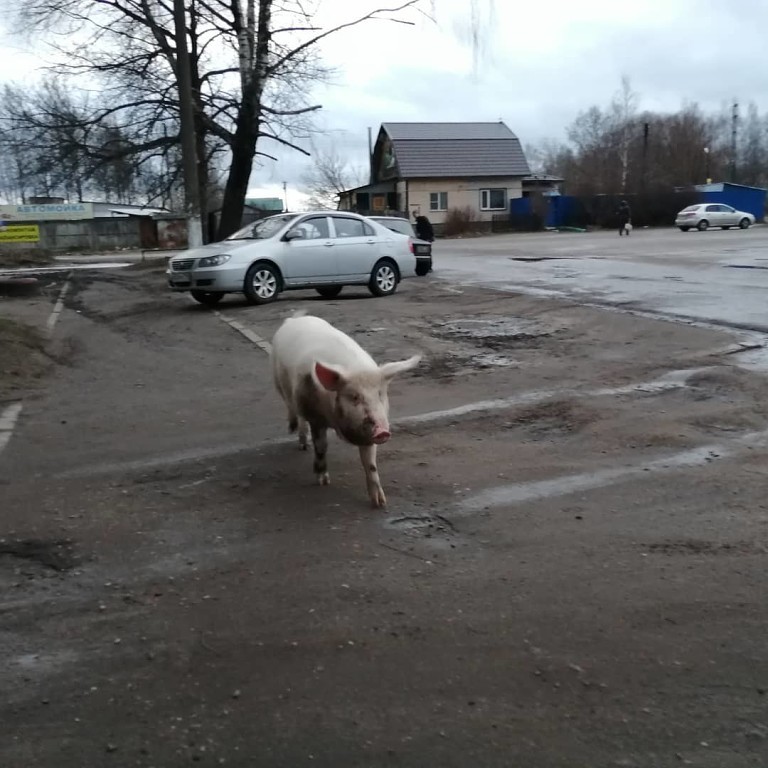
(327, 380)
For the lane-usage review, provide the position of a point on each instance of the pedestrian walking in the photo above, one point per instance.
(624, 215)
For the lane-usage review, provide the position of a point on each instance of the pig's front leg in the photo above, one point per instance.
(320, 444)
(375, 491)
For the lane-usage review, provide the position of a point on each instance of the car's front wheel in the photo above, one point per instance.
(744, 223)
(207, 298)
(262, 283)
(703, 225)
(329, 292)
(684, 229)
(383, 278)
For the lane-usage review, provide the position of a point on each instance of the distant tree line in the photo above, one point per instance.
(619, 149)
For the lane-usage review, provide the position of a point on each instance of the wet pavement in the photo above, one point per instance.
(717, 277)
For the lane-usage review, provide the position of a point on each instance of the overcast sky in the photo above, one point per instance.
(542, 63)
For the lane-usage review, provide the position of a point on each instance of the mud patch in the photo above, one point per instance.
(23, 356)
(54, 554)
(703, 547)
(714, 386)
(562, 417)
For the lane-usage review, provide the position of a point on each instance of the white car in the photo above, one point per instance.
(706, 215)
(323, 250)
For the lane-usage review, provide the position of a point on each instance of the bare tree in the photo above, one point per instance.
(329, 176)
(624, 110)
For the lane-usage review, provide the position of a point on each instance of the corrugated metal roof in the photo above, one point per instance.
(447, 131)
(464, 157)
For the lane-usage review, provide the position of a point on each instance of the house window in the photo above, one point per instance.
(438, 201)
(493, 199)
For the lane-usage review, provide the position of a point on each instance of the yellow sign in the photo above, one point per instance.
(20, 233)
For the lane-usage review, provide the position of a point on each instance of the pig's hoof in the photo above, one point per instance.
(302, 445)
(378, 499)
(324, 479)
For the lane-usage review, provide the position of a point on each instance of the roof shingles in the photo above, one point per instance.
(456, 149)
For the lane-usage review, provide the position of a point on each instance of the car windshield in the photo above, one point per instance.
(403, 226)
(264, 228)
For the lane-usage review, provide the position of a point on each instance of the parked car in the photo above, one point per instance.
(706, 215)
(422, 249)
(323, 250)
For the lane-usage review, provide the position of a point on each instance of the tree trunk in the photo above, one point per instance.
(243, 153)
(253, 79)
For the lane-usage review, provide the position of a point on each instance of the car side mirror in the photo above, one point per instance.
(294, 234)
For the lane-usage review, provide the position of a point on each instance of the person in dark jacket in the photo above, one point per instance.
(424, 229)
(624, 215)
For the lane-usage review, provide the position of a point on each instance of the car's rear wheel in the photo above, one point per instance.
(703, 225)
(744, 223)
(684, 229)
(329, 292)
(383, 278)
(262, 283)
(207, 298)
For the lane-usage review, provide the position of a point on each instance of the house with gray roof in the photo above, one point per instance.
(429, 168)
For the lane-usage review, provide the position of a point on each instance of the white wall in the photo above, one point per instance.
(462, 193)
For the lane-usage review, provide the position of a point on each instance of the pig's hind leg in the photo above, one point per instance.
(320, 444)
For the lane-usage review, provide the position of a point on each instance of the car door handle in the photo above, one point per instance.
(328, 244)
(371, 242)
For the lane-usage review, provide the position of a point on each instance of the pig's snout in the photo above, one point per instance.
(381, 435)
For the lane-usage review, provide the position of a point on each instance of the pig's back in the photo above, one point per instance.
(300, 341)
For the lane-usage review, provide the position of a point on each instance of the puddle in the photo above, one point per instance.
(753, 359)
(496, 331)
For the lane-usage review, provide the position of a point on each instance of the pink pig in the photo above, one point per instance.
(326, 379)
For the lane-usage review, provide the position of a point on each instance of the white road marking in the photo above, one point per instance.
(670, 381)
(667, 382)
(252, 336)
(508, 495)
(8, 418)
(58, 307)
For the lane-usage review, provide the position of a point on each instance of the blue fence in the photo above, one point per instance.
(652, 209)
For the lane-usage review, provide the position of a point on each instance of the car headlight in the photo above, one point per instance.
(214, 261)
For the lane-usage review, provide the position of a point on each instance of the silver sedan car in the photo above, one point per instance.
(324, 250)
(706, 215)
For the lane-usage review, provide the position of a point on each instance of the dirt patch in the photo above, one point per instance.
(56, 554)
(702, 547)
(23, 357)
(498, 332)
(554, 417)
(26, 258)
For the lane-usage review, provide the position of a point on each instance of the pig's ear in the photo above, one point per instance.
(331, 378)
(389, 370)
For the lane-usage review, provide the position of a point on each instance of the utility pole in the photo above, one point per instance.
(187, 123)
(285, 196)
(734, 139)
(370, 155)
(644, 164)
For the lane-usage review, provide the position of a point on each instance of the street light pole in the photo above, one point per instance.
(706, 154)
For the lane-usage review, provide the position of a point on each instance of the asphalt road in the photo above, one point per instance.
(570, 572)
(715, 276)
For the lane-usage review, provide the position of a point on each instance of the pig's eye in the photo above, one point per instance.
(354, 399)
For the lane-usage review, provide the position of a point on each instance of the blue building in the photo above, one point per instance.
(738, 196)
